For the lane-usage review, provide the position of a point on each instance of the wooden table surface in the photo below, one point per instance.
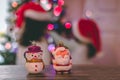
(79, 72)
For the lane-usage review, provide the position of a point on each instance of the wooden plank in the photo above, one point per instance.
(81, 72)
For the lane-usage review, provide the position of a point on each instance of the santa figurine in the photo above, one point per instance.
(62, 61)
(34, 62)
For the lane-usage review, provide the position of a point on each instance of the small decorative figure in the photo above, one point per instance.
(62, 61)
(34, 63)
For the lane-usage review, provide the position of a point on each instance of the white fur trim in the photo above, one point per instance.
(59, 68)
(77, 34)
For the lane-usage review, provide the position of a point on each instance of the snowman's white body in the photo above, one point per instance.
(34, 67)
(34, 61)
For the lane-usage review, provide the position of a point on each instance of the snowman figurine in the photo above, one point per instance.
(34, 63)
(62, 61)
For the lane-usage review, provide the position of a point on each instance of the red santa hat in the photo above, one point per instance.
(87, 31)
(23, 8)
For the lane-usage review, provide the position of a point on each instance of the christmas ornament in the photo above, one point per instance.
(62, 61)
(34, 63)
(88, 32)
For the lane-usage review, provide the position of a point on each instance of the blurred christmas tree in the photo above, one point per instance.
(8, 46)
(8, 49)
(56, 7)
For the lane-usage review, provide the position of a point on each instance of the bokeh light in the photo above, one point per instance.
(8, 45)
(61, 2)
(89, 13)
(51, 47)
(50, 27)
(57, 10)
(43, 1)
(14, 4)
(2, 60)
(54, 1)
(68, 25)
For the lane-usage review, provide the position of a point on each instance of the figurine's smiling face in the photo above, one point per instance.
(62, 60)
(30, 56)
(62, 56)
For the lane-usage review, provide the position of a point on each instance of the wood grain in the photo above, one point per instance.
(79, 72)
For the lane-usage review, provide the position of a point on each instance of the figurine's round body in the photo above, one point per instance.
(34, 62)
(34, 67)
(62, 61)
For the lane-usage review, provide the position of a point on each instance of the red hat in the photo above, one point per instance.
(87, 31)
(34, 49)
(23, 8)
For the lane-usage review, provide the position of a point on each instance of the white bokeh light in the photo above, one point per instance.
(88, 13)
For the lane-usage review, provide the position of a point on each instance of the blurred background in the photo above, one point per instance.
(105, 13)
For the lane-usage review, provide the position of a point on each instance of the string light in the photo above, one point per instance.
(51, 47)
(54, 1)
(51, 42)
(43, 1)
(8, 45)
(89, 13)
(56, 26)
(57, 10)
(50, 27)
(67, 25)
(14, 4)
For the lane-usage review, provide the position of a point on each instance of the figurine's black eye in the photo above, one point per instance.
(32, 54)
